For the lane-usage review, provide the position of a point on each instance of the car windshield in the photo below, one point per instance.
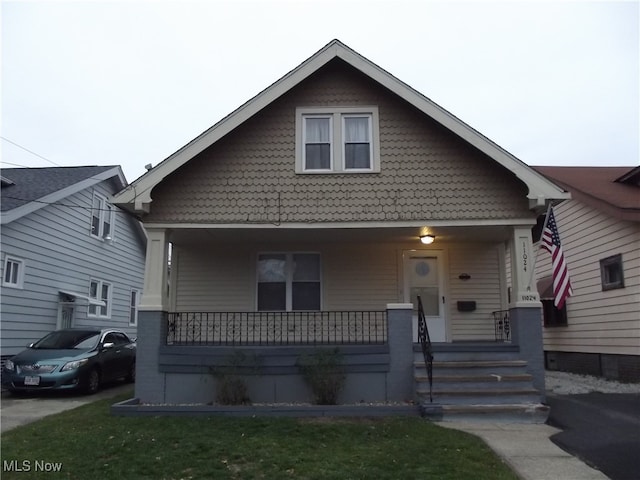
(69, 339)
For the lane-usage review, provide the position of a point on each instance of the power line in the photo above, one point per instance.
(29, 151)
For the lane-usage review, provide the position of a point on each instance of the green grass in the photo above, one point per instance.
(92, 444)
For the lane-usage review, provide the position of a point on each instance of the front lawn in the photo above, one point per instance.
(89, 443)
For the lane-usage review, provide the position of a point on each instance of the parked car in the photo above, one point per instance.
(72, 359)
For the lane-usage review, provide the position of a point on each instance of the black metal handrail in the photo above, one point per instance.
(425, 342)
(502, 325)
(277, 328)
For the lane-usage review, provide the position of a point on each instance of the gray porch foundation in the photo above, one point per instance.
(171, 374)
(526, 333)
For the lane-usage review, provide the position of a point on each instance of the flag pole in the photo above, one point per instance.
(535, 257)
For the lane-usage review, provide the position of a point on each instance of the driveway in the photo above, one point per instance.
(602, 429)
(16, 411)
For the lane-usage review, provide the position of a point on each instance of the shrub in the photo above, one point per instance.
(324, 372)
(231, 387)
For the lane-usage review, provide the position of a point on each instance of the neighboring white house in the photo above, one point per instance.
(69, 258)
(598, 331)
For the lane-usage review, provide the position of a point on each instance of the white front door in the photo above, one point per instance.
(423, 276)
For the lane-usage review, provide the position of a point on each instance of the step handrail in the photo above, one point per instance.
(425, 343)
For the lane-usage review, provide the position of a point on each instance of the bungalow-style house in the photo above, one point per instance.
(70, 258)
(301, 221)
(598, 330)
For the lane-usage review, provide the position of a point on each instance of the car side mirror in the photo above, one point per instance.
(107, 345)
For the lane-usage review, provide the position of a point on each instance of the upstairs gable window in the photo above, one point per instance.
(337, 140)
(102, 218)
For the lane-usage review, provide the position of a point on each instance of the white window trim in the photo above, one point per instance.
(134, 323)
(289, 278)
(19, 283)
(336, 138)
(100, 283)
(103, 212)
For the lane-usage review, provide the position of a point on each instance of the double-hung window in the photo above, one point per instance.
(100, 292)
(13, 273)
(102, 218)
(133, 307)
(337, 140)
(288, 282)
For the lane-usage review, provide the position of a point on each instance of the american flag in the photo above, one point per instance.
(561, 281)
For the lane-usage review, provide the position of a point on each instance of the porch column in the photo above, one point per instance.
(152, 319)
(525, 309)
(154, 294)
(400, 340)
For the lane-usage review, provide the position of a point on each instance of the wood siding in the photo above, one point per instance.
(598, 321)
(60, 254)
(355, 276)
(427, 172)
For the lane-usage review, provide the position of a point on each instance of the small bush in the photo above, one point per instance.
(231, 388)
(324, 372)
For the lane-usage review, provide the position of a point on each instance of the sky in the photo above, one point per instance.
(130, 82)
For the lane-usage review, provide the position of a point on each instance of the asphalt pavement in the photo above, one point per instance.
(602, 429)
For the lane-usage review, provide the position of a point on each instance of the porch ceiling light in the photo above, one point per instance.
(427, 239)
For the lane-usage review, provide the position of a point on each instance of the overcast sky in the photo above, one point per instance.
(129, 83)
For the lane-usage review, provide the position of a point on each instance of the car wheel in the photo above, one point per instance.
(131, 377)
(93, 381)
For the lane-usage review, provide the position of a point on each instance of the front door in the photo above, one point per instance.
(423, 276)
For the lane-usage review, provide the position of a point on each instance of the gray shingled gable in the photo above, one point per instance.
(34, 183)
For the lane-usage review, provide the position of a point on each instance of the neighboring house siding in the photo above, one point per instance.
(426, 171)
(605, 322)
(221, 277)
(60, 254)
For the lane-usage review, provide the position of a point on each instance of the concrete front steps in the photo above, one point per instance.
(479, 386)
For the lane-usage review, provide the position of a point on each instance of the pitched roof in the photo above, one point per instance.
(610, 189)
(138, 195)
(25, 190)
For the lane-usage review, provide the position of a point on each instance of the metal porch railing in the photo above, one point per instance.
(277, 328)
(425, 343)
(501, 325)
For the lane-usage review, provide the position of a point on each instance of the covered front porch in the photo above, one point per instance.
(200, 312)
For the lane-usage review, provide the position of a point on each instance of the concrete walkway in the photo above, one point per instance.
(527, 449)
(17, 411)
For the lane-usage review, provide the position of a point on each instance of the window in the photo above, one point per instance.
(100, 291)
(337, 140)
(553, 316)
(102, 218)
(13, 273)
(288, 281)
(611, 274)
(133, 307)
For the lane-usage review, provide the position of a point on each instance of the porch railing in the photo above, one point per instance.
(425, 343)
(501, 325)
(277, 328)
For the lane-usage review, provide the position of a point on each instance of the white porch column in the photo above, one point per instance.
(154, 294)
(523, 289)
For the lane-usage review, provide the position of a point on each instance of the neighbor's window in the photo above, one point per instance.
(13, 273)
(101, 292)
(611, 272)
(102, 217)
(552, 315)
(133, 307)
(288, 281)
(337, 140)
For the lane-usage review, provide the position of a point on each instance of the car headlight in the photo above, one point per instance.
(9, 365)
(73, 365)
